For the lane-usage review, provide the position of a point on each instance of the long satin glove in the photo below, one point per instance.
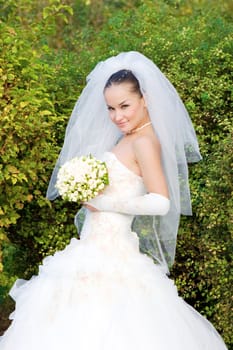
(148, 204)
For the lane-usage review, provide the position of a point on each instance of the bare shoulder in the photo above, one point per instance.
(146, 145)
(147, 152)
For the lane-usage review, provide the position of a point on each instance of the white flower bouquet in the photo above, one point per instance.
(82, 178)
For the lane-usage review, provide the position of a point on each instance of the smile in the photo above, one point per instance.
(120, 125)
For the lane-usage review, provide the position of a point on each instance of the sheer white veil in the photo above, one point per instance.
(90, 130)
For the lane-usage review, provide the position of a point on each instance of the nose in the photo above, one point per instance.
(117, 115)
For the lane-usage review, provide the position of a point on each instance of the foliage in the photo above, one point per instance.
(46, 54)
(203, 267)
(34, 96)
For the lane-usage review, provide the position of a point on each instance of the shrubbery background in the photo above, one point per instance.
(47, 49)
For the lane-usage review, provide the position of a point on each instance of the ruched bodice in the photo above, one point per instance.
(123, 182)
(109, 227)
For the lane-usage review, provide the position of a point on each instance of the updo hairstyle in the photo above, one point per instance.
(124, 76)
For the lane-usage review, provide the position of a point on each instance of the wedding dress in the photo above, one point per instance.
(101, 293)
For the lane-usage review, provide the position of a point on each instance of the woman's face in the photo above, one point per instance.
(127, 109)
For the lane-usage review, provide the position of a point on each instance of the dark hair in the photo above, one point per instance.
(124, 76)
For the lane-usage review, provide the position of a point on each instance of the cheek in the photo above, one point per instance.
(141, 109)
(111, 114)
(134, 111)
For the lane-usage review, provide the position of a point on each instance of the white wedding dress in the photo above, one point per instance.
(101, 293)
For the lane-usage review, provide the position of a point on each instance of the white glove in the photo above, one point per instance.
(148, 204)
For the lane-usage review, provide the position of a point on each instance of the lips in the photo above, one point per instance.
(121, 125)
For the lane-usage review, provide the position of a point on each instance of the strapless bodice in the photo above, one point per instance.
(122, 181)
(112, 227)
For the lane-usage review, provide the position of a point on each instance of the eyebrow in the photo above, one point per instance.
(120, 104)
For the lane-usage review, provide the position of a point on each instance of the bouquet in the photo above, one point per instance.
(82, 178)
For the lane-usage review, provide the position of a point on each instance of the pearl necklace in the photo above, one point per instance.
(137, 129)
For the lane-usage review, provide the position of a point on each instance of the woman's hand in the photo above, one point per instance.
(89, 207)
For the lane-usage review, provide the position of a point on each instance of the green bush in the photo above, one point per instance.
(203, 268)
(35, 89)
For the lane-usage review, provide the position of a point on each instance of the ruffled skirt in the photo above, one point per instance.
(102, 294)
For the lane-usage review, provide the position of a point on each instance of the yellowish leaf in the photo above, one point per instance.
(23, 104)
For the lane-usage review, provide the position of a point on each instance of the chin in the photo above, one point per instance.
(124, 128)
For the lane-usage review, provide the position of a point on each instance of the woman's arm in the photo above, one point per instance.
(156, 202)
(148, 204)
(148, 156)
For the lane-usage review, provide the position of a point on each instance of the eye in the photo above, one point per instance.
(110, 108)
(124, 106)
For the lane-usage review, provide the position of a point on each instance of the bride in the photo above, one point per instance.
(110, 290)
